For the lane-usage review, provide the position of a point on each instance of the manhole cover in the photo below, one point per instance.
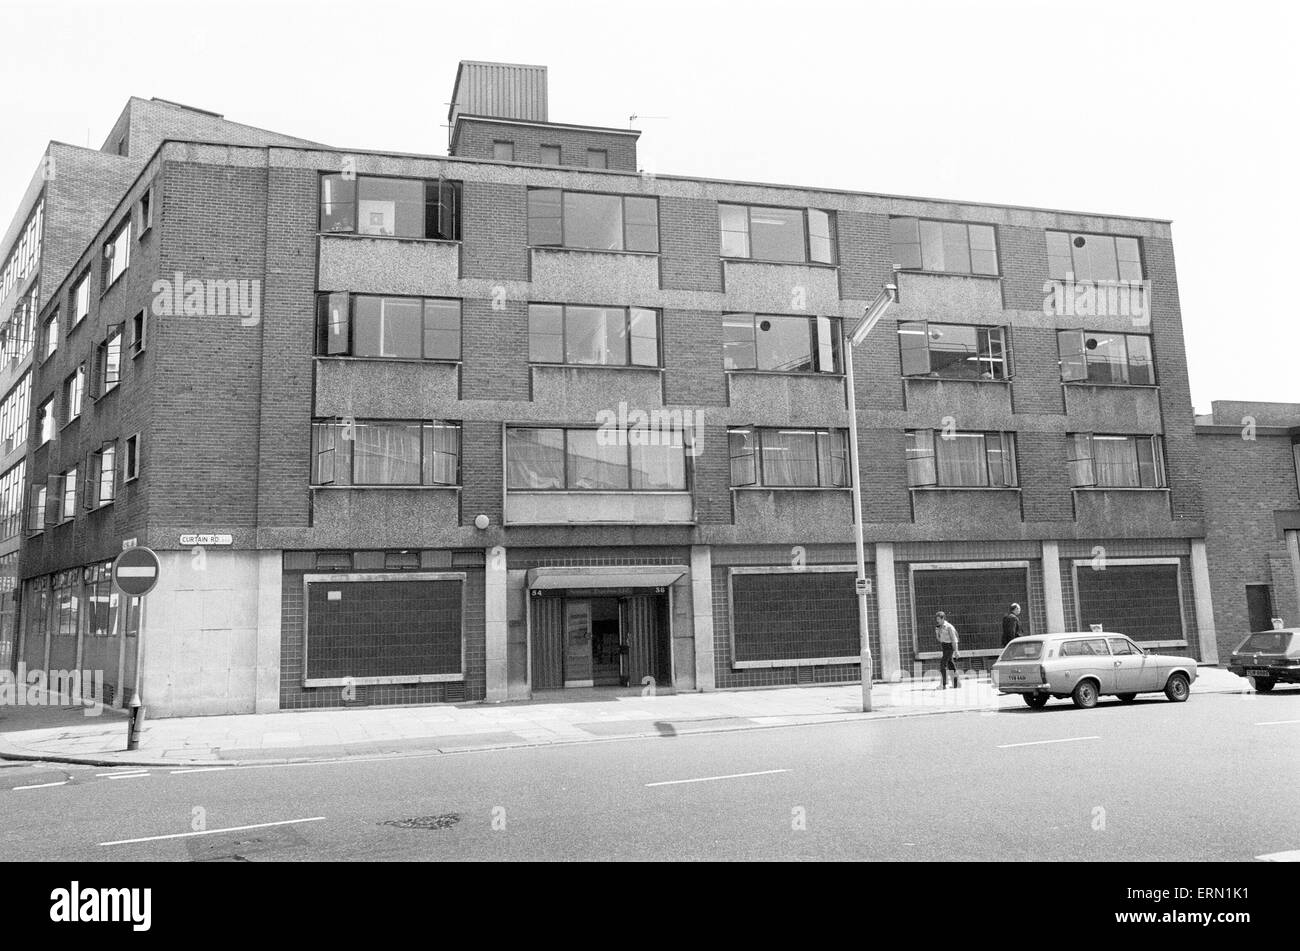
(445, 821)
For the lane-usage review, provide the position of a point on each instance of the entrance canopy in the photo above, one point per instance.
(605, 576)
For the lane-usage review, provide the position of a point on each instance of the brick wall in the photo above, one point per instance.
(475, 138)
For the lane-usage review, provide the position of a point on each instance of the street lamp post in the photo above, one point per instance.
(852, 338)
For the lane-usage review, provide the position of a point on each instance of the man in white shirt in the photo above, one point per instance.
(947, 635)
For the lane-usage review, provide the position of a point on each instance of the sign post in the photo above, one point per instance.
(135, 572)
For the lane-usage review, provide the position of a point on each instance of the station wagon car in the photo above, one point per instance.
(1268, 658)
(1087, 665)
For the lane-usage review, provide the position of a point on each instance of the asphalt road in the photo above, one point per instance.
(1216, 778)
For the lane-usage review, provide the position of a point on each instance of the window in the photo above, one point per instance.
(961, 460)
(19, 335)
(45, 413)
(1091, 647)
(782, 344)
(1116, 462)
(102, 476)
(50, 336)
(11, 501)
(25, 254)
(549, 155)
(399, 328)
(390, 207)
(771, 612)
(36, 509)
(597, 158)
(789, 458)
(73, 388)
(1144, 601)
(146, 210)
(591, 221)
(117, 251)
(137, 333)
(80, 299)
(593, 460)
(14, 412)
(385, 452)
(131, 458)
(953, 351)
(975, 600)
(950, 247)
(593, 336)
(68, 495)
(503, 151)
(1122, 646)
(109, 360)
(1092, 257)
(1106, 357)
(777, 234)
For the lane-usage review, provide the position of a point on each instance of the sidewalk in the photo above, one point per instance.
(68, 734)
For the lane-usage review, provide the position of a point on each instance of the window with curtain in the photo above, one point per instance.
(960, 459)
(385, 452)
(578, 460)
(789, 458)
(1107, 461)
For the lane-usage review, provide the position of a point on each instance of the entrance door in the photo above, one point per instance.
(606, 643)
(577, 644)
(646, 635)
(1260, 607)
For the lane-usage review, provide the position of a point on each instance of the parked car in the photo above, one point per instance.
(1087, 665)
(1268, 657)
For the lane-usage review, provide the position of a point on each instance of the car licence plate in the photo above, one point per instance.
(1257, 672)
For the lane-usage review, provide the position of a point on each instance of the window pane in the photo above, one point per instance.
(954, 351)
(741, 444)
(544, 220)
(777, 234)
(1146, 460)
(956, 248)
(597, 158)
(905, 236)
(595, 335)
(738, 351)
(993, 354)
(660, 468)
(332, 324)
(1074, 363)
(833, 458)
(442, 330)
(503, 151)
(828, 344)
(1060, 260)
(390, 206)
(1002, 466)
(789, 457)
(442, 210)
(1094, 257)
(1107, 358)
(821, 239)
(1141, 368)
(1129, 258)
(961, 459)
(1080, 461)
(983, 249)
(388, 327)
(338, 204)
(734, 220)
(546, 333)
(441, 454)
(386, 453)
(914, 348)
(324, 453)
(593, 221)
(932, 245)
(535, 458)
(784, 343)
(113, 360)
(642, 224)
(592, 465)
(1114, 460)
(644, 337)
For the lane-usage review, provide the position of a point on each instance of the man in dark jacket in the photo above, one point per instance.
(1011, 625)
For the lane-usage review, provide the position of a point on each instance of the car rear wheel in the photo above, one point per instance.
(1036, 700)
(1127, 697)
(1177, 689)
(1262, 684)
(1085, 694)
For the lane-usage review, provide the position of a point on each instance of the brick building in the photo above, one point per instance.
(1253, 530)
(415, 429)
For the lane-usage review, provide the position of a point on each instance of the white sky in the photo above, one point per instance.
(1184, 110)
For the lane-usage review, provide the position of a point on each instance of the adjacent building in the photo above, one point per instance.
(521, 418)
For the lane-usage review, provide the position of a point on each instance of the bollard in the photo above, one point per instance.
(134, 722)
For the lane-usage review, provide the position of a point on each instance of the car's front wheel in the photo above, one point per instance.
(1085, 694)
(1036, 700)
(1127, 697)
(1262, 684)
(1178, 689)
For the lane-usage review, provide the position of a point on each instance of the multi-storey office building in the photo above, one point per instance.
(416, 429)
(1253, 531)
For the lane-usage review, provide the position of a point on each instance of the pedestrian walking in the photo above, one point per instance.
(1011, 625)
(947, 635)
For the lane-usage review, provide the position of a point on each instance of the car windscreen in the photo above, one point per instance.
(1023, 650)
(1266, 642)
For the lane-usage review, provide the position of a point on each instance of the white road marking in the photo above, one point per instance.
(1071, 739)
(43, 785)
(187, 835)
(127, 775)
(1276, 722)
(710, 779)
(1280, 857)
(202, 769)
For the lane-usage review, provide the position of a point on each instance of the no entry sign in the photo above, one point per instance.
(136, 571)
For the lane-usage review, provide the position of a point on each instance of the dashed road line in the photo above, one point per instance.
(1293, 856)
(189, 835)
(710, 779)
(1276, 722)
(1068, 739)
(42, 785)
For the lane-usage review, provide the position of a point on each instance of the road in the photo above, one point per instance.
(1212, 779)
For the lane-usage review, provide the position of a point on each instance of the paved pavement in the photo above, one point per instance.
(76, 735)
